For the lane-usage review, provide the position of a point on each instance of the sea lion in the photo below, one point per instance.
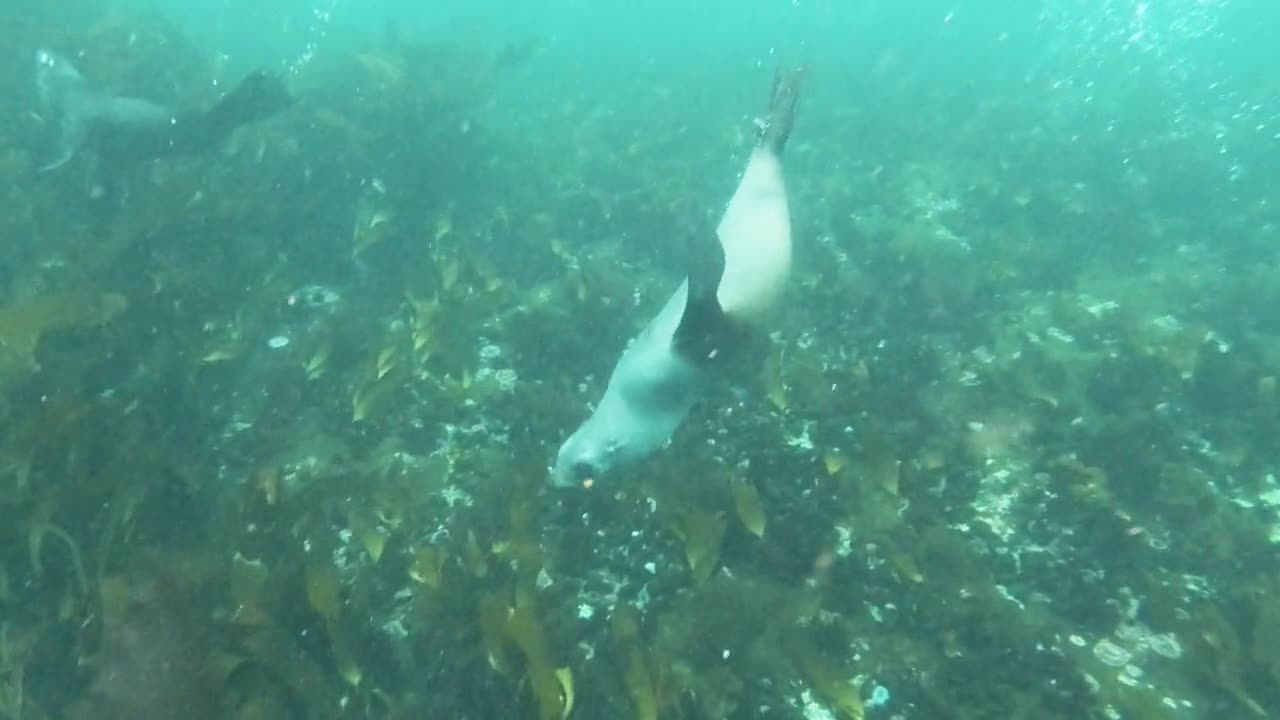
(125, 129)
(731, 286)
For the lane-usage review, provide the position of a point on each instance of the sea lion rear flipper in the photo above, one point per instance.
(258, 96)
(776, 126)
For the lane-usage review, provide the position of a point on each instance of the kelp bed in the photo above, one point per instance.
(276, 430)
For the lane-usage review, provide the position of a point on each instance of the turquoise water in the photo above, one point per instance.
(281, 380)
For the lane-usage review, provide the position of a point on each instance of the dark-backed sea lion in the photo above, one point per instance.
(125, 129)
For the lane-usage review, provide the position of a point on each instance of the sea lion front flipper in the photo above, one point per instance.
(704, 330)
(65, 99)
(70, 136)
(258, 96)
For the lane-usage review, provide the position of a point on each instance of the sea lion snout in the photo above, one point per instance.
(583, 458)
(578, 474)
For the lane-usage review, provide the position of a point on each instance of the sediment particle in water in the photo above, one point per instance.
(1111, 653)
(1165, 645)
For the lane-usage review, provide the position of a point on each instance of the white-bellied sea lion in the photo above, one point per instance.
(731, 286)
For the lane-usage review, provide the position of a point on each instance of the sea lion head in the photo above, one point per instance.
(52, 68)
(60, 87)
(587, 455)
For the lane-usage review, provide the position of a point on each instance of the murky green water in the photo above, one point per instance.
(281, 379)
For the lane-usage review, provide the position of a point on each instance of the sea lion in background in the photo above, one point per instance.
(731, 286)
(125, 129)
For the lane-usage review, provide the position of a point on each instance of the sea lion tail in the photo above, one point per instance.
(776, 126)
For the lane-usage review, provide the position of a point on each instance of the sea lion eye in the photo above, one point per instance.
(614, 447)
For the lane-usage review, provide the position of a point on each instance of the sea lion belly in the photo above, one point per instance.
(650, 391)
